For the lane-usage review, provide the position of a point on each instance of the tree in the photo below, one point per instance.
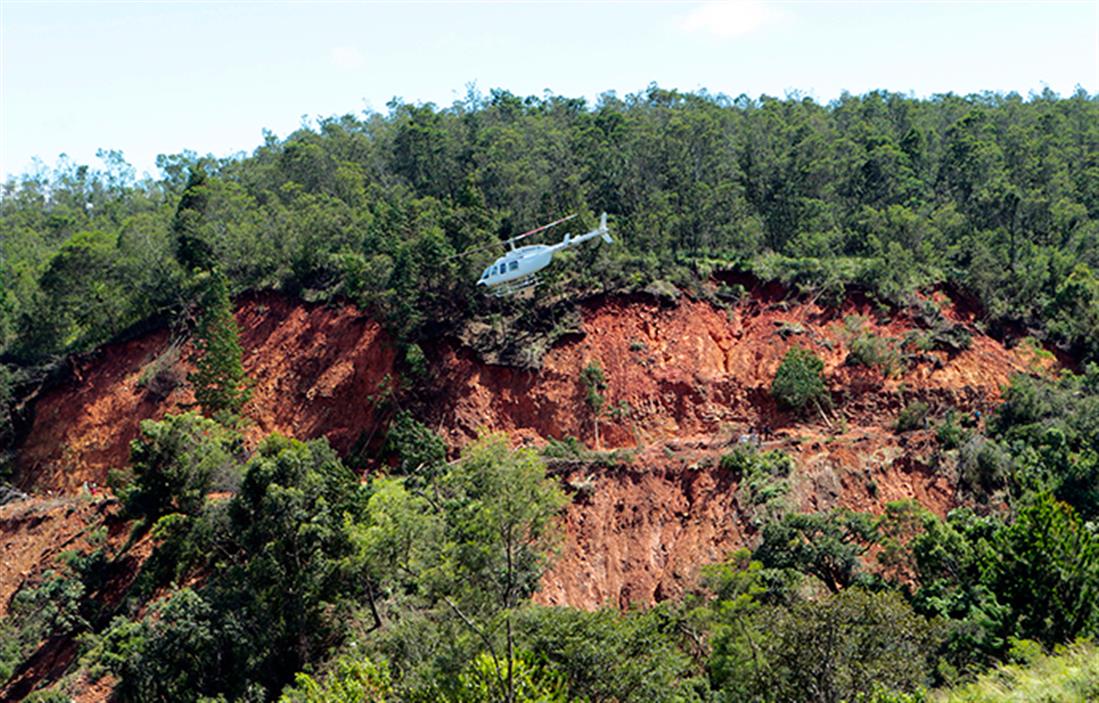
(608, 655)
(474, 551)
(7, 393)
(221, 387)
(798, 383)
(421, 452)
(499, 528)
(826, 545)
(842, 647)
(349, 679)
(192, 249)
(174, 656)
(174, 462)
(1047, 571)
(594, 384)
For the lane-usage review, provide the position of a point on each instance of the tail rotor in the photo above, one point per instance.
(603, 231)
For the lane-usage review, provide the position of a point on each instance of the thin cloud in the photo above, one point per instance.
(730, 18)
(346, 57)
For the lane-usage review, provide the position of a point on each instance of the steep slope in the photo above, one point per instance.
(685, 383)
(315, 371)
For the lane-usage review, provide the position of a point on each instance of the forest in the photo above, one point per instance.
(280, 575)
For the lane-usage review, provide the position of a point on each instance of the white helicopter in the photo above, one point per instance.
(518, 269)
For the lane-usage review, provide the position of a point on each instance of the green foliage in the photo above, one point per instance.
(864, 348)
(416, 362)
(913, 417)
(7, 393)
(350, 678)
(1068, 676)
(1052, 429)
(985, 193)
(175, 462)
(49, 696)
(798, 383)
(834, 649)
(191, 248)
(279, 580)
(825, 545)
(607, 655)
(221, 387)
(594, 383)
(472, 555)
(949, 433)
(530, 683)
(1047, 573)
(420, 451)
(761, 480)
(176, 654)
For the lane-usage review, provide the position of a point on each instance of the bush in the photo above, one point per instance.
(761, 480)
(420, 451)
(913, 417)
(176, 462)
(950, 433)
(799, 383)
(984, 466)
(867, 349)
(1070, 676)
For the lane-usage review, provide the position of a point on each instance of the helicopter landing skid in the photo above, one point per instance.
(509, 289)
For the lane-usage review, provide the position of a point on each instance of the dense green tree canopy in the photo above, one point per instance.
(994, 194)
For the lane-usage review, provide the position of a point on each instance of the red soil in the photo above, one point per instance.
(315, 370)
(683, 383)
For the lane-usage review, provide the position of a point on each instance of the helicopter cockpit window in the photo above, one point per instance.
(513, 265)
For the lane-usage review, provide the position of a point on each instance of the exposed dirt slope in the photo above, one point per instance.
(315, 370)
(692, 370)
(684, 383)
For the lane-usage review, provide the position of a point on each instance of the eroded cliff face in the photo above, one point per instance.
(685, 383)
(316, 370)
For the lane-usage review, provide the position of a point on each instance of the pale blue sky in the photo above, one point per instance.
(151, 77)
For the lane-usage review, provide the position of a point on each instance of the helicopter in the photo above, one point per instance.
(518, 268)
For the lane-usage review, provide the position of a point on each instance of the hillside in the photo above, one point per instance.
(689, 378)
(834, 381)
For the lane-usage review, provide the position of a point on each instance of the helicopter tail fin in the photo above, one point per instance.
(603, 229)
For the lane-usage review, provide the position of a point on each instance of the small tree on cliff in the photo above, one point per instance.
(220, 386)
(798, 384)
(594, 383)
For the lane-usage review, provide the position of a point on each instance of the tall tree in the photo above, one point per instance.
(220, 385)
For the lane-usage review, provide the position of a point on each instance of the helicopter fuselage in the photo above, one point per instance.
(517, 263)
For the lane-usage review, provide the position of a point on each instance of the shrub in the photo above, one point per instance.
(841, 648)
(175, 463)
(983, 465)
(867, 349)
(762, 480)
(913, 417)
(421, 452)
(950, 433)
(416, 362)
(162, 375)
(798, 382)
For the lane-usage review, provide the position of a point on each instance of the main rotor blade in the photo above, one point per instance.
(536, 230)
(505, 242)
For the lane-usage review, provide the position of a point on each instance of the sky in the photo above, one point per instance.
(149, 78)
